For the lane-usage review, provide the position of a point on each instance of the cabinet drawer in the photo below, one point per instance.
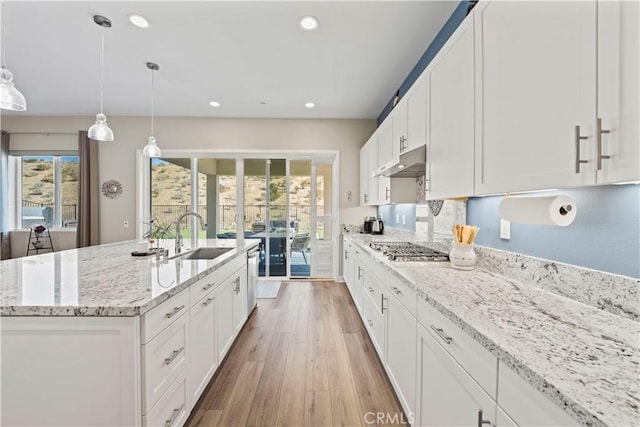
(407, 296)
(374, 322)
(163, 358)
(171, 410)
(475, 359)
(158, 318)
(373, 288)
(202, 287)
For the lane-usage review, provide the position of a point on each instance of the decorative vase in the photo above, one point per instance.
(462, 256)
(38, 244)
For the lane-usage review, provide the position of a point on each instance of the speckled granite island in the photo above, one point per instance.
(96, 336)
(584, 359)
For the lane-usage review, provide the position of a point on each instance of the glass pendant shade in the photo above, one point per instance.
(151, 149)
(100, 131)
(10, 97)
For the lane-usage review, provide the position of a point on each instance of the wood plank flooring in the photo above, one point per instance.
(303, 359)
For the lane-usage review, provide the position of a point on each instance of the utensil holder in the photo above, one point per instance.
(462, 256)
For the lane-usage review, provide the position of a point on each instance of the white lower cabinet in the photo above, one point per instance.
(401, 352)
(374, 321)
(239, 300)
(204, 355)
(523, 405)
(446, 394)
(172, 410)
(224, 315)
(358, 280)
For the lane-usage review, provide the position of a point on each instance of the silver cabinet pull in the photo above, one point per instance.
(382, 307)
(366, 198)
(174, 312)
(174, 416)
(481, 420)
(396, 290)
(370, 289)
(579, 138)
(173, 356)
(346, 254)
(206, 288)
(208, 301)
(238, 285)
(370, 323)
(387, 193)
(359, 273)
(599, 132)
(442, 335)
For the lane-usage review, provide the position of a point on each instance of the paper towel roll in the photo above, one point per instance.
(547, 210)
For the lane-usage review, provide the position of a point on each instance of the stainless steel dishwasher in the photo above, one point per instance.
(252, 278)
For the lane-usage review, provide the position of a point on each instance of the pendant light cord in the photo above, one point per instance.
(152, 92)
(4, 58)
(102, 72)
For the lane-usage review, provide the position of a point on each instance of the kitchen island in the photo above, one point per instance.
(96, 336)
(508, 341)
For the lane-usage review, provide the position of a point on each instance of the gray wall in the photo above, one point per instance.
(117, 159)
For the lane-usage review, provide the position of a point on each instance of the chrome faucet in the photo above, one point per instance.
(178, 236)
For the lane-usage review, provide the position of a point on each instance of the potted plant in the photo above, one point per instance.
(38, 230)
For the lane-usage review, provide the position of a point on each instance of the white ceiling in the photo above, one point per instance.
(238, 53)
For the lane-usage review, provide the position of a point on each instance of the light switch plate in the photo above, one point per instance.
(505, 229)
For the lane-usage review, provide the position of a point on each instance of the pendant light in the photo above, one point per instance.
(152, 149)
(10, 97)
(100, 131)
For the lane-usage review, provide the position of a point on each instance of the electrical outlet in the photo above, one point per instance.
(505, 229)
(125, 224)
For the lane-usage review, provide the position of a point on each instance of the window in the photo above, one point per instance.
(47, 190)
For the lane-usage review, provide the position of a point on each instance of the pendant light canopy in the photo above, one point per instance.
(10, 97)
(100, 131)
(152, 149)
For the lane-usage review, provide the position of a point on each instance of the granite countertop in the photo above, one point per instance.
(104, 280)
(585, 359)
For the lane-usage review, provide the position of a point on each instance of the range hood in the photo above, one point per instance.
(411, 164)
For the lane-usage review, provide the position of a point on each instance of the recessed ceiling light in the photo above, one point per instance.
(309, 105)
(309, 23)
(214, 104)
(138, 20)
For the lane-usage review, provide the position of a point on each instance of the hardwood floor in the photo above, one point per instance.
(302, 359)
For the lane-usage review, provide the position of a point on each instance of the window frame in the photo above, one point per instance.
(15, 191)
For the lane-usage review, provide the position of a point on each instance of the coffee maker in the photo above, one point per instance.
(368, 224)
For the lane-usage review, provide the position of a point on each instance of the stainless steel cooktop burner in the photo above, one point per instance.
(406, 251)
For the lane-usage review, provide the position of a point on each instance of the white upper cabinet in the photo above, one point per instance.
(557, 94)
(416, 114)
(373, 162)
(618, 92)
(450, 126)
(400, 134)
(364, 175)
(385, 149)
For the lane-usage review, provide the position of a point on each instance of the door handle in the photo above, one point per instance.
(577, 139)
(599, 132)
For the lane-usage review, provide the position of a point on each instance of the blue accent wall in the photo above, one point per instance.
(389, 213)
(604, 236)
(441, 38)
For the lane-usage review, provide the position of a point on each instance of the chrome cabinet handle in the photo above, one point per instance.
(174, 416)
(208, 301)
(370, 289)
(359, 273)
(382, 307)
(346, 254)
(370, 323)
(173, 356)
(442, 335)
(396, 290)
(481, 420)
(599, 132)
(387, 193)
(206, 288)
(174, 312)
(366, 197)
(579, 138)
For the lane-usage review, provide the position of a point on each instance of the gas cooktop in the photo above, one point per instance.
(406, 251)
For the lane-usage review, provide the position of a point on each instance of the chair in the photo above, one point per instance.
(300, 243)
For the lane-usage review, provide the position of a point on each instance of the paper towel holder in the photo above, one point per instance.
(556, 209)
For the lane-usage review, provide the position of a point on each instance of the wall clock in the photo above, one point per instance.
(111, 189)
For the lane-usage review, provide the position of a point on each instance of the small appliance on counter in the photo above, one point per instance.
(368, 224)
(377, 226)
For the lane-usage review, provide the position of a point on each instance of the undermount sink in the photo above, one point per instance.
(202, 253)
